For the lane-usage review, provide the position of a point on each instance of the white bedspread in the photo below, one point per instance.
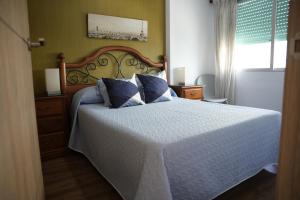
(181, 149)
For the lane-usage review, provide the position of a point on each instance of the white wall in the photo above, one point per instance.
(190, 37)
(190, 42)
(260, 89)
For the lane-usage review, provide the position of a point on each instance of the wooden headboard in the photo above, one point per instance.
(75, 76)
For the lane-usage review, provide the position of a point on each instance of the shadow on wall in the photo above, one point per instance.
(260, 89)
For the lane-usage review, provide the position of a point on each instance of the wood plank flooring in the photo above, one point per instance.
(72, 177)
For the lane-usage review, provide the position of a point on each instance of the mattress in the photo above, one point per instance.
(180, 149)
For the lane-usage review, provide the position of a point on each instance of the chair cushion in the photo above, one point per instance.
(216, 100)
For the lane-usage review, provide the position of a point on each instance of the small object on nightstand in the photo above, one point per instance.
(52, 123)
(52, 81)
(179, 75)
(188, 91)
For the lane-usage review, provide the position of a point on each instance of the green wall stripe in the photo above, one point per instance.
(63, 23)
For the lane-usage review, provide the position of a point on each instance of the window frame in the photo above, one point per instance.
(272, 49)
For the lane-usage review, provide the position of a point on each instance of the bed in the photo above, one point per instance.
(179, 149)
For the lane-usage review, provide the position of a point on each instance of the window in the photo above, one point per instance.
(261, 34)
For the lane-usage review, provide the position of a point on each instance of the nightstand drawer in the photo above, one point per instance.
(192, 93)
(49, 107)
(52, 141)
(50, 124)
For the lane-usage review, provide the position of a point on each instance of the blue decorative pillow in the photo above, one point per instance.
(155, 88)
(122, 93)
(89, 95)
(173, 93)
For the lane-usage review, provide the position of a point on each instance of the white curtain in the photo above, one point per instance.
(225, 39)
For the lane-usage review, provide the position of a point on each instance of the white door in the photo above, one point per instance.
(20, 165)
(288, 182)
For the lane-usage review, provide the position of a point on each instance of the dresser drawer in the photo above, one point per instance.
(192, 93)
(50, 124)
(49, 107)
(52, 141)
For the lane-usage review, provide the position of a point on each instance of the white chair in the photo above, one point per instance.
(208, 83)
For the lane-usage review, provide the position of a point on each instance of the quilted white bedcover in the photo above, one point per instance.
(181, 149)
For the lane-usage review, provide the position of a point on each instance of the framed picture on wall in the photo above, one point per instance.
(117, 28)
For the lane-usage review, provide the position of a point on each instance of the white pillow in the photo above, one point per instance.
(103, 91)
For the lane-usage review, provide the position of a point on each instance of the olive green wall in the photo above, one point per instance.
(63, 23)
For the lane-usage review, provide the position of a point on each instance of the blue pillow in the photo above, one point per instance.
(89, 95)
(122, 93)
(173, 93)
(140, 87)
(155, 88)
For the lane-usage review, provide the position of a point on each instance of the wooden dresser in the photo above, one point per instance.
(52, 122)
(188, 92)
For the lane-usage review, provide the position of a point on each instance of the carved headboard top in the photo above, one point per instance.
(106, 60)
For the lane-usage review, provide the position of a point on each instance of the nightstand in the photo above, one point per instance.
(188, 91)
(52, 124)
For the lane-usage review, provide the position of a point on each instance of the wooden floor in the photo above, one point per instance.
(73, 178)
